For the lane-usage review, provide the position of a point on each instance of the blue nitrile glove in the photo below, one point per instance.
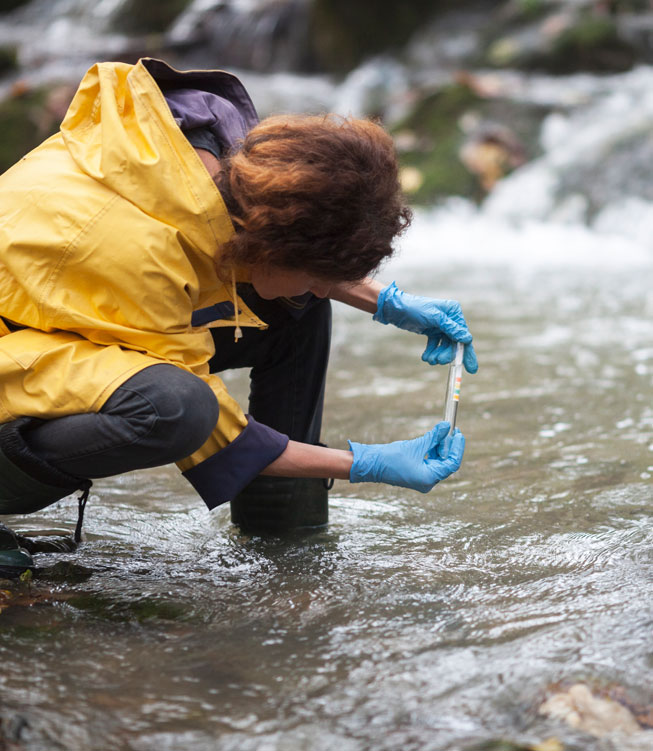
(409, 464)
(442, 321)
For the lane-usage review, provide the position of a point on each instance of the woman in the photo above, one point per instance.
(165, 235)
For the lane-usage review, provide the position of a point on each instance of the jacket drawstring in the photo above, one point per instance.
(238, 332)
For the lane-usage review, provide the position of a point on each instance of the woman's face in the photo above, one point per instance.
(275, 281)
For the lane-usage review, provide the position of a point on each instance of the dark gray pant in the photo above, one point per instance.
(164, 414)
(158, 416)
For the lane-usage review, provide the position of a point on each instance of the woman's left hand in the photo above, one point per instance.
(441, 321)
(419, 463)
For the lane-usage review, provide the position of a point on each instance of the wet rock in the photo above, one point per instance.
(564, 38)
(65, 572)
(268, 35)
(146, 17)
(345, 33)
(9, 5)
(8, 59)
(47, 543)
(13, 729)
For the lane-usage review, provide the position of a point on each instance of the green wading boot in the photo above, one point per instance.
(14, 560)
(277, 505)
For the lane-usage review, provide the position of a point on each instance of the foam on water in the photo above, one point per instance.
(459, 233)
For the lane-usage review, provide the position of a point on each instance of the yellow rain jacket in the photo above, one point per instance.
(110, 236)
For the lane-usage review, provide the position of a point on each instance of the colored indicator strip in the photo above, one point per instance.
(456, 389)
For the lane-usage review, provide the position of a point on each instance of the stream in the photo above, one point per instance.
(436, 622)
(427, 622)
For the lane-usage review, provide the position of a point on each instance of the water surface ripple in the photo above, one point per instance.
(426, 622)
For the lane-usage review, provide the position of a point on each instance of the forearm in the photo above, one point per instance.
(362, 295)
(305, 460)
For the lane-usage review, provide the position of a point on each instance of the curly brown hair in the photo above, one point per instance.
(316, 193)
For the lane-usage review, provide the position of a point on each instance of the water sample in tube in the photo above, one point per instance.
(453, 386)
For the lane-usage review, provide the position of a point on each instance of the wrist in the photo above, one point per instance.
(363, 466)
(384, 302)
(362, 295)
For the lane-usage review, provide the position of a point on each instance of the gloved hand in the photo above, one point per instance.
(442, 321)
(409, 464)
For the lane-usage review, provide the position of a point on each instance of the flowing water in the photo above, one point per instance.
(414, 621)
(417, 622)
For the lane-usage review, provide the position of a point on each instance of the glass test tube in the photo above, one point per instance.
(453, 386)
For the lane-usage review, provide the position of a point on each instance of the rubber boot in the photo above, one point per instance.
(14, 560)
(276, 505)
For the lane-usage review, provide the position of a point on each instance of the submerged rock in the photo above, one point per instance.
(550, 744)
(65, 572)
(596, 715)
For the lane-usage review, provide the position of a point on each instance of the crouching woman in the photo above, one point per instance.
(165, 235)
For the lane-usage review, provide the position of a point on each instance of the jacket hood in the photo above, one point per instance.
(120, 131)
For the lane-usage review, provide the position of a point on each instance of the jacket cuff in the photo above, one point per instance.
(222, 476)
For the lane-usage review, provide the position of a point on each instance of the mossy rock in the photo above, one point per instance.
(585, 41)
(593, 43)
(8, 5)
(8, 60)
(147, 17)
(23, 125)
(145, 609)
(437, 138)
(346, 32)
(516, 13)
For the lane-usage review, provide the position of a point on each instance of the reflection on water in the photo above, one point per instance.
(429, 622)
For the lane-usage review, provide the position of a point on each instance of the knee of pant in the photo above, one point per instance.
(176, 408)
(187, 414)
